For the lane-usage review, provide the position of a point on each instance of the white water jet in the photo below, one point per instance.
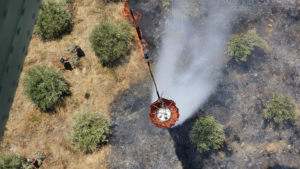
(191, 61)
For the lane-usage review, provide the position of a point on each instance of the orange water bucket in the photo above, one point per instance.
(164, 113)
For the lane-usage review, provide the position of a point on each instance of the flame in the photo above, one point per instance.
(137, 17)
(126, 13)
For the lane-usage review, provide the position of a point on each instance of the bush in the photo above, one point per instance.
(44, 86)
(13, 161)
(240, 46)
(281, 108)
(166, 3)
(89, 130)
(53, 21)
(110, 40)
(207, 132)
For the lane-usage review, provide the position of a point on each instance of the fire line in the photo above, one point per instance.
(163, 112)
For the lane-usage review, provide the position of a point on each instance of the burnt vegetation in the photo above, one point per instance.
(262, 63)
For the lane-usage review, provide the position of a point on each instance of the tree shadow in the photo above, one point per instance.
(277, 166)
(36, 164)
(285, 125)
(118, 62)
(100, 146)
(288, 125)
(80, 53)
(186, 152)
(68, 66)
(266, 123)
(228, 130)
(255, 62)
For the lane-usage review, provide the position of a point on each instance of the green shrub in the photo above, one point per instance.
(166, 4)
(110, 40)
(53, 20)
(207, 132)
(11, 161)
(240, 46)
(44, 86)
(89, 130)
(281, 108)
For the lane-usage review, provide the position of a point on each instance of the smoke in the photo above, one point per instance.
(192, 55)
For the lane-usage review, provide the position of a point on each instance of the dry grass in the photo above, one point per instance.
(29, 130)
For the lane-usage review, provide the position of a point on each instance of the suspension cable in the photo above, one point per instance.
(153, 81)
(143, 46)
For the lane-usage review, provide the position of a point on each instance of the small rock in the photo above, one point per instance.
(261, 151)
(84, 70)
(271, 147)
(242, 145)
(289, 146)
(255, 74)
(269, 25)
(296, 151)
(221, 154)
(271, 20)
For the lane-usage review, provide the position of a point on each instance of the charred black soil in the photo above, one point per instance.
(237, 103)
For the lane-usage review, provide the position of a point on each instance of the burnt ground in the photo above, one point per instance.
(237, 103)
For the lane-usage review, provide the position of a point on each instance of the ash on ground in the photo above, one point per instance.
(237, 103)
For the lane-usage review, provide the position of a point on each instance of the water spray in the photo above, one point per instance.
(163, 112)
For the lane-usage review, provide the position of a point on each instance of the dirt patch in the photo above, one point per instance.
(277, 147)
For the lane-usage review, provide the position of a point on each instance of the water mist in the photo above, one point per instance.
(191, 58)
